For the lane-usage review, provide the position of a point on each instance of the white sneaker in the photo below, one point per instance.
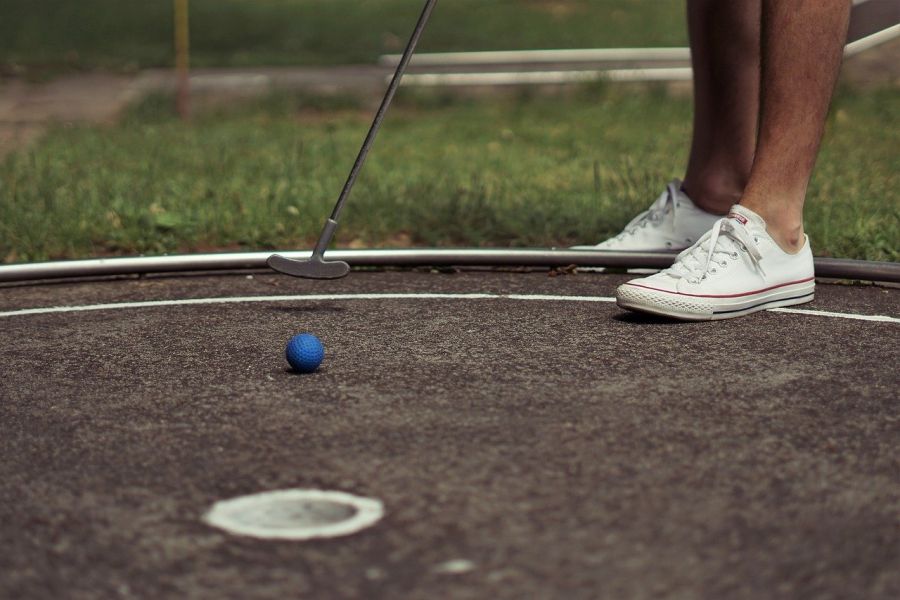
(672, 224)
(734, 270)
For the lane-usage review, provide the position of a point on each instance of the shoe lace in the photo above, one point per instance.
(656, 213)
(722, 242)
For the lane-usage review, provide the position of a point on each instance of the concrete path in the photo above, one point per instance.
(27, 108)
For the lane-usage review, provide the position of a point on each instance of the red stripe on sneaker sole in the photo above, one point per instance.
(774, 287)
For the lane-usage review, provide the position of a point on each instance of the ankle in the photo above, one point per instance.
(786, 229)
(791, 239)
(714, 198)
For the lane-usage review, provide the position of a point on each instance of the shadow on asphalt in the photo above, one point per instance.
(643, 319)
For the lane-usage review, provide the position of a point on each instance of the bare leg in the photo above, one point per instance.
(802, 43)
(725, 52)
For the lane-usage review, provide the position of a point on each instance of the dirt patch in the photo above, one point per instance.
(16, 136)
(26, 108)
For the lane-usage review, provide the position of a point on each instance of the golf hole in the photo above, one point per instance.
(295, 514)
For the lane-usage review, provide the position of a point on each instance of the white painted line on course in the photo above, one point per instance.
(836, 315)
(245, 299)
(412, 296)
(546, 298)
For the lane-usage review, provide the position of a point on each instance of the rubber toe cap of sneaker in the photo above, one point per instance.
(658, 301)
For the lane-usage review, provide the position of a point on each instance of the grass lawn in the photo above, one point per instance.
(40, 36)
(527, 171)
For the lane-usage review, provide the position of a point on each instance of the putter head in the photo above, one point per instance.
(313, 268)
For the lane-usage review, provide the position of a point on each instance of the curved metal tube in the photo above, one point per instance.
(836, 268)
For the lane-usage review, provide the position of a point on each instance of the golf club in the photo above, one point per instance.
(316, 267)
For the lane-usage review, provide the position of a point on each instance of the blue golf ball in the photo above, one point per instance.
(304, 353)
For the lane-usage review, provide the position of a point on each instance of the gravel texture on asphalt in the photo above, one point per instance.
(522, 449)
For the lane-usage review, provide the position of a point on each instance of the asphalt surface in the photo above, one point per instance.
(565, 449)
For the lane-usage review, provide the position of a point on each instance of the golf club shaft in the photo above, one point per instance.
(379, 116)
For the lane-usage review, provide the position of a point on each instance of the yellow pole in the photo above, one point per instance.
(182, 58)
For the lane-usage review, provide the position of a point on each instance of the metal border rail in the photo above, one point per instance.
(566, 66)
(414, 257)
(595, 55)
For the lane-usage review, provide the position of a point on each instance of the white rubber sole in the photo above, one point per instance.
(705, 308)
